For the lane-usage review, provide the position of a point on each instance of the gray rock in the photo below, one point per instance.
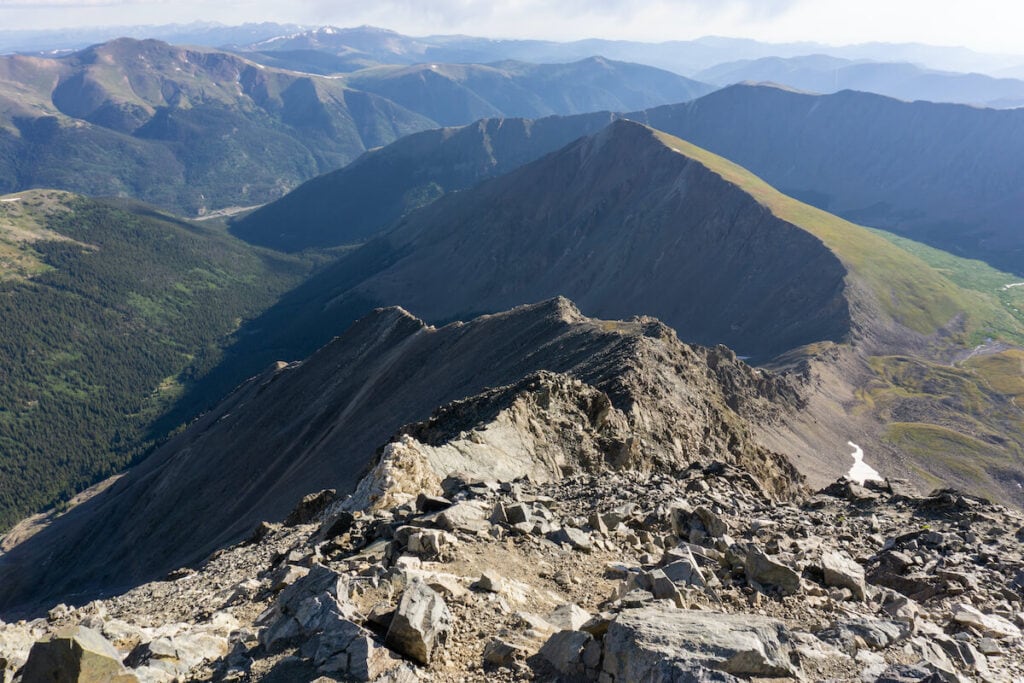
(312, 604)
(564, 651)
(662, 587)
(491, 582)
(468, 516)
(842, 571)
(877, 634)
(573, 537)
(989, 624)
(714, 525)
(351, 650)
(518, 514)
(179, 654)
(770, 573)
(505, 653)
(685, 570)
(568, 617)
(421, 622)
(650, 643)
(77, 655)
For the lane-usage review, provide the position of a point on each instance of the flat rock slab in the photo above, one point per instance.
(78, 655)
(662, 643)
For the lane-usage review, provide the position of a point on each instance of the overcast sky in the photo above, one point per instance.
(986, 25)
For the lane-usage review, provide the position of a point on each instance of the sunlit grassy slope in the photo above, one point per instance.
(907, 279)
(955, 424)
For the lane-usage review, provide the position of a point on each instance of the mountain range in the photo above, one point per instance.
(946, 175)
(685, 57)
(905, 81)
(718, 255)
(194, 130)
(709, 246)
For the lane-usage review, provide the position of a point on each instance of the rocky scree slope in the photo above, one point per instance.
(561, 566)
(655, 404)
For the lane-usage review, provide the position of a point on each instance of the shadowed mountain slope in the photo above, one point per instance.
(356, 202)
(948, 175)
(309, 425)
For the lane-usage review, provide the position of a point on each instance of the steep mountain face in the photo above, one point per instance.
(309, 425)
(453, 94)
(187, 129)
(633, 220)
(614, 220)
(110, 310)
(361, 200)
(822, 74)
(948, 175)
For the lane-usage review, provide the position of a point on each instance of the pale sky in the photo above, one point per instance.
(984, 25)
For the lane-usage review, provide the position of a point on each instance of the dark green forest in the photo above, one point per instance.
(95, 348)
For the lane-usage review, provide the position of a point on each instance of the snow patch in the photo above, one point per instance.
(861, 471)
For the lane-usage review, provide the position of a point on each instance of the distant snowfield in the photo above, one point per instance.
(8, 200)
(861, 471)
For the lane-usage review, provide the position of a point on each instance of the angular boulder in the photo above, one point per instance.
(770, 573)
(421, 622)
(843, 571)
(662, 643)
(77, 655)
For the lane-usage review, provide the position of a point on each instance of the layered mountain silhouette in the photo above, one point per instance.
(685, 57)
(453, 94)
(187, 129)
(947, 175)
(628, 220)
(192, 129)
(362, 199)
(824, 74)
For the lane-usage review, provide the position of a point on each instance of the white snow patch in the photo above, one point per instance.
(861, 471)
(8, 200)
(1013, 284)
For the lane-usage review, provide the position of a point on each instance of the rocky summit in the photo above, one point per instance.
(565, 526)
(428, 572)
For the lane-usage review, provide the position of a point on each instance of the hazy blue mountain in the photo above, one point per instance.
(197, 33)
(454, 94)
(685, 57)
(824, 74)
